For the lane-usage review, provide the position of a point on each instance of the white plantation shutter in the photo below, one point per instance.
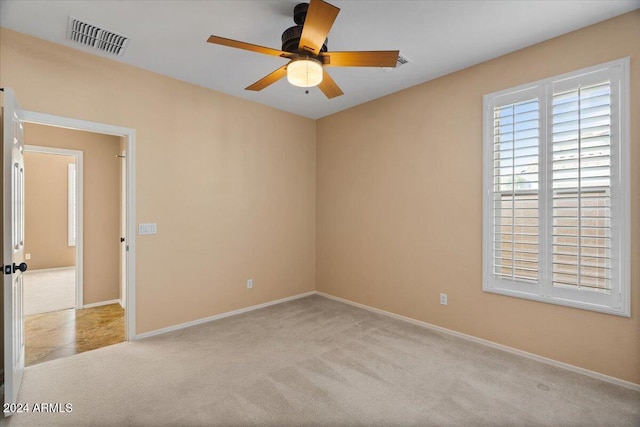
(556, 183)
(516, 130)
(582, 187)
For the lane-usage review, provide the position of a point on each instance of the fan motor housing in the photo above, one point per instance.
(291, 40)
(291, 36)
(300, 13)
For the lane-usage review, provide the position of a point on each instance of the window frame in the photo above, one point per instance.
(617, 302)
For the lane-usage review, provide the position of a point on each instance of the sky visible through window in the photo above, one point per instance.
(517, 144)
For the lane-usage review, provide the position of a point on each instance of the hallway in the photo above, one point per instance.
(49, 290)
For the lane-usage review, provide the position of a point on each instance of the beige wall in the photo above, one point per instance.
(101, 204)
(399, 199)
(232, 193)
(46, 208)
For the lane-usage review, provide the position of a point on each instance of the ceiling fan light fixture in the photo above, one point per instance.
(304, 72)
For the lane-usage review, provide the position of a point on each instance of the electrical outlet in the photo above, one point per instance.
(443, 299)
(249, 283)
(27, 256)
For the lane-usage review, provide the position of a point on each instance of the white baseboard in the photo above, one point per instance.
(572, 368)
(121, 303)
(101, 303)
(219, 316)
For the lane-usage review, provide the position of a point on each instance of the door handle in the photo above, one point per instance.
(22, 267)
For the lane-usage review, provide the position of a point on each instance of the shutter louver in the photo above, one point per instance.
(581, 184)
(516, 133)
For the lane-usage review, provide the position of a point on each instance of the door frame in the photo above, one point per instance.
(77, 155)
(129, 135)
(123, 230)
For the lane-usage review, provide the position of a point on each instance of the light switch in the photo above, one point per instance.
(148, 228)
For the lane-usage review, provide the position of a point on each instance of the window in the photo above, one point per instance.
(556, 190)
(71, 204)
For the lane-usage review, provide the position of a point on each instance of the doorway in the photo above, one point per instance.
(53, 211)
(73, 230)
(129, 227)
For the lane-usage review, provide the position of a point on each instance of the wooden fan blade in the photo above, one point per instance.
(373, 58)
(318, 22)
(269, 79)
(248, 46)
(329, 87)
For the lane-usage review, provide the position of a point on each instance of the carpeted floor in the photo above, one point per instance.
(49, 290)
(316, 362)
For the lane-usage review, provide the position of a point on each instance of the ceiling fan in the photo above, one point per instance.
(305, 46)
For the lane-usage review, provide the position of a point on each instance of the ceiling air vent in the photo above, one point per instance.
(97, 38)
(402, 60)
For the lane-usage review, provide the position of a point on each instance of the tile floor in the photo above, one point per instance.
(50, 336)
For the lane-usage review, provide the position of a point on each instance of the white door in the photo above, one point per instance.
(12, 244)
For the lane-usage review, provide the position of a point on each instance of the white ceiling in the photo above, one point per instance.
(438, 36)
